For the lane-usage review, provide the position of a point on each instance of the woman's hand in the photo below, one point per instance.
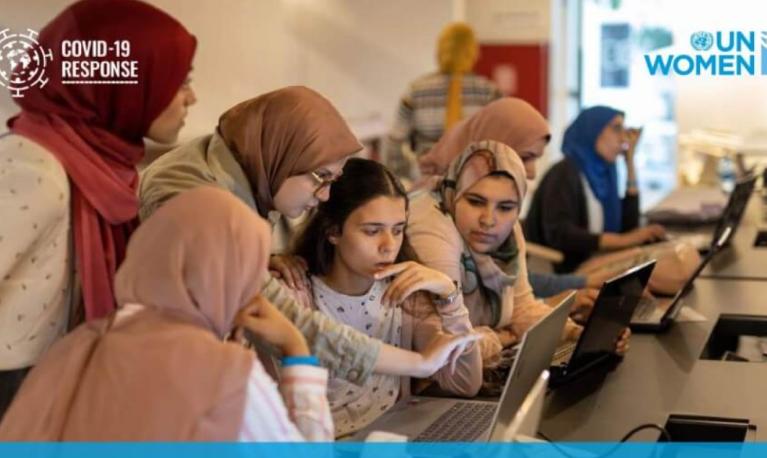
(583, 304)
(410, 277)
(444, 349)
(632, 138)
(646, 234)
(506, 336)
(572, 332)
(267, 323)
(292, 269)
(622, 343)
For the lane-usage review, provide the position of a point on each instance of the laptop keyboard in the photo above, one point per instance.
(645, 308)
(563, 354)
(463, 422)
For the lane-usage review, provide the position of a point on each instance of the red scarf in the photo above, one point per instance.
(96, 131)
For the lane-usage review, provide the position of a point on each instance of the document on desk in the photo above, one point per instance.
(688, 315)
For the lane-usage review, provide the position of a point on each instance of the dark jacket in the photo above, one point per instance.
(559, 217)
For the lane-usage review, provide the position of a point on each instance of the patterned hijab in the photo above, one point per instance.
(495, 271)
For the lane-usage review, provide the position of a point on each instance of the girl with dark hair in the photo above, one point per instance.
(363, 273)
(280, 152)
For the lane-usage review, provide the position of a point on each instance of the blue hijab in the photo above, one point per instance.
(579, 144)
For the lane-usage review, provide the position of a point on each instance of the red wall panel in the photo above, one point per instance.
(519, 70)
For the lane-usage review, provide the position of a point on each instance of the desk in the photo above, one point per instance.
(662, 374)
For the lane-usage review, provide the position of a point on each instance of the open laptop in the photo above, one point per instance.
(657, 314)
(610, 315)
(732, 215)
(430, 419)
(524, 425)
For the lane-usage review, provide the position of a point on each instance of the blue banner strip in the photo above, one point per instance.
(384, 450)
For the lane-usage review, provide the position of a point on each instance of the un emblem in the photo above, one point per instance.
(702, 41)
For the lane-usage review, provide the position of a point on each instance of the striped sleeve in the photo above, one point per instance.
(295, 411)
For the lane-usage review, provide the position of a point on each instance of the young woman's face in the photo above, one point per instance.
(530, 154)
(372, 235)
(300, 193)
(167, 125)
(611, 140)
(486, 213)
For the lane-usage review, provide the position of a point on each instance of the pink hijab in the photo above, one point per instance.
(287, 132)
(509, 120)
(162, 373)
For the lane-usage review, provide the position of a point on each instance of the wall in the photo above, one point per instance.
(359, 53)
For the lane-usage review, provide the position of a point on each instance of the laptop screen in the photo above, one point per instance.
(736, 207)
(534, 356)
(612, 312)
(724, 237)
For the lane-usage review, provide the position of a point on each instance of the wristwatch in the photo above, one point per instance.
(439, 300)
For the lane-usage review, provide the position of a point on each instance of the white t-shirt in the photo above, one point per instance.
(354, 406)
(594, 209)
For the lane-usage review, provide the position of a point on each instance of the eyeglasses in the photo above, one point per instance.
(322, 183)
(618, 128)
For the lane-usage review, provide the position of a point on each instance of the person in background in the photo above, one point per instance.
(159, 368)
(435, 102)
(577, 208)
(68, 178)
(281, 152)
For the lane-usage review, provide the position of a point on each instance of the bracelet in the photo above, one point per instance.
(310, 360)
(632, 184)
(437, 300)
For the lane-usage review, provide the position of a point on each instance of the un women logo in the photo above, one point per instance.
(702, 41)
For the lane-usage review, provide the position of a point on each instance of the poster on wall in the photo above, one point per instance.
(615, 55)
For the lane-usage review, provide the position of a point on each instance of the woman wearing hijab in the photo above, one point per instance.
(69, 178)
(576, 208)
(159, 369)
(516, 124)
(280, 152)
(467, 228)
(437, 101)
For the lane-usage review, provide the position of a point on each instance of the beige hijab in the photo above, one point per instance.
(163, 373)
(509, 120)
(284, 133)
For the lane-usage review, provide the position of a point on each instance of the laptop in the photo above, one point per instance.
(431, 419)
(732, 215)
(524, 425)
(654, 315)
(611, 314)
